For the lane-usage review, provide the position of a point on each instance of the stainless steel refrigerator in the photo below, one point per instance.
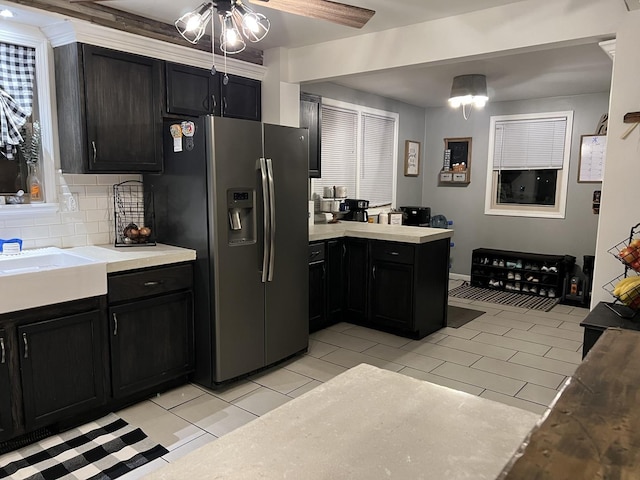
(236, 192)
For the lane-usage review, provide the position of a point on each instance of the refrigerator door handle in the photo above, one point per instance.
(272, 212)
(266, 220)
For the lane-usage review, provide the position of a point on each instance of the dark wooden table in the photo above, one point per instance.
(593, 430)
(601, 318)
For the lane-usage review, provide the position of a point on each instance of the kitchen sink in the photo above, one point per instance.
(46, 276)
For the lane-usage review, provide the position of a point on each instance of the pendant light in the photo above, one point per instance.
(235, 17)
(468, 91)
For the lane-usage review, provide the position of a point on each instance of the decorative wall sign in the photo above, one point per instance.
(411, 158)
(456, 169)
(593, 150)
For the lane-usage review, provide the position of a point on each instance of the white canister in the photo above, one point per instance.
(326, 204)
(340, 192)
(335, 206)
(327, 192)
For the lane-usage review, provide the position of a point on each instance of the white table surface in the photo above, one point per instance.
(366, 423)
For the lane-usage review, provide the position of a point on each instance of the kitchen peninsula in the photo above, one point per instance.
(388, 277)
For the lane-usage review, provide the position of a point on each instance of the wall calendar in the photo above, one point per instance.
(593, 149)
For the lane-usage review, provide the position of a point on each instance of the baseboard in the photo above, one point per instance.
(459, 276)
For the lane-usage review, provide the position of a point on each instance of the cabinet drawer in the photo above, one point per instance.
(316, 252)
(392, 252)
(145, 283)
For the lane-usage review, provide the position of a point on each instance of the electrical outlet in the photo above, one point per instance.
(632, 4)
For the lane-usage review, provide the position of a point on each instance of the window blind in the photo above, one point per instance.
(367, 170)
(529, 144)
(376, 167)
(339, 149)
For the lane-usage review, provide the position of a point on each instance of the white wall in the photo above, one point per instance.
(620, 193)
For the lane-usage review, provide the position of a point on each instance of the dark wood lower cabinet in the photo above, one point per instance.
(392, 294)
(317, 273)
(393, 286)
(61, 367)
(336, 253)
(150, 342)
(357, 274)
(63, 364)
(6, 427)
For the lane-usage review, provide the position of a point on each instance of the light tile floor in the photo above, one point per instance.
(512, 355)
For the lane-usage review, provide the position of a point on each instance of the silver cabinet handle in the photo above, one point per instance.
(344, 250)
(266, 220)
(26, 345)
(374, 272)
(215, 104)
(95, 151)
(224, 105)
(2, 353)
(395, 254)
(152, 284)
(324, 270)
(115, 324)
(272, 212)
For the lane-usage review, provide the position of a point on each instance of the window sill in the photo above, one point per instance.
(524, 213)
(28, 210)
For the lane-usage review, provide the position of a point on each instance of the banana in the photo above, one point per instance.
(629, 290)
(622, 284)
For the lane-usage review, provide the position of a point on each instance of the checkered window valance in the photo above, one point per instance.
(17, 69)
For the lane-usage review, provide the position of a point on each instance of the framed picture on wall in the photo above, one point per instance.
(411, 158)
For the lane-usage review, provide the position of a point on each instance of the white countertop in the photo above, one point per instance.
(119, 259)
(366, 423)
(377, 231)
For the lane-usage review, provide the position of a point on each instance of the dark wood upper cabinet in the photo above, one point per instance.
(311, 118)
(109, 110)
(241, 97)
(191, 90)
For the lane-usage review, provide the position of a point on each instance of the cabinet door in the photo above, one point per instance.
(5, 390)
(311, 118)
(123, 111)
(241, 98)
(336, 253)
(392, 294)
(191, 90)
(151, 342)
(317, 271)
(61, 367)
(357, 279)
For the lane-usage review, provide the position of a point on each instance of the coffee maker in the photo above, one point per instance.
(357, 210)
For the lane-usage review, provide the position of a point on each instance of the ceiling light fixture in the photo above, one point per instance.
(233, 14)
(5, 13)
(468, 91)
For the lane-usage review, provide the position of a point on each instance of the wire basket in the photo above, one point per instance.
(133, 215)
(628, 252)
(627, 295)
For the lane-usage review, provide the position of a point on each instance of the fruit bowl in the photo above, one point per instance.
(628, 252)
(626, 289)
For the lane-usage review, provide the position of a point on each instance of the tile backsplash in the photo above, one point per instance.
(91, 224)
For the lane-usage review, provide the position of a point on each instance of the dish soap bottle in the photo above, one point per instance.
(34, 183)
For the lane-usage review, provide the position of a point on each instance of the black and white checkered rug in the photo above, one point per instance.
(101, 450)
(513, 299)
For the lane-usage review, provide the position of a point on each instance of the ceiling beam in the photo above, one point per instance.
(135, 24)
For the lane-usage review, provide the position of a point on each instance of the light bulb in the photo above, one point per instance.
(192, 23)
